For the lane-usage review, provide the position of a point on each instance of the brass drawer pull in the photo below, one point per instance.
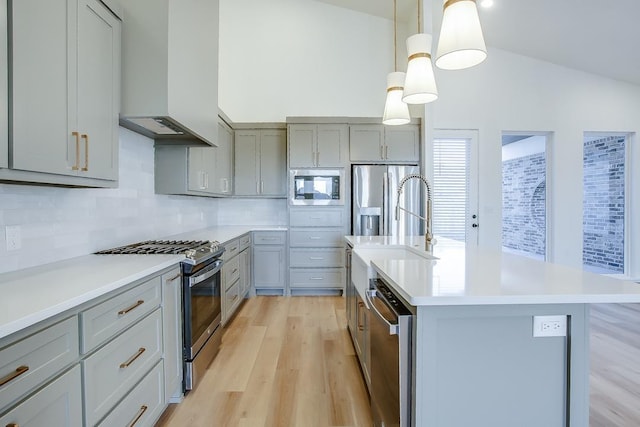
(133, 358)
(134, 306)
(86, 151)
(141, 412)
(15, 374)
(76, 165)
(174, 277)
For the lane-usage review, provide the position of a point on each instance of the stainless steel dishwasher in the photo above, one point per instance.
(391, 348)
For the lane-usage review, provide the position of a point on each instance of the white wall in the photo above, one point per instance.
(510, 92)
(282, 58)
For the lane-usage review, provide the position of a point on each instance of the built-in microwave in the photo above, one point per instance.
(316, 187)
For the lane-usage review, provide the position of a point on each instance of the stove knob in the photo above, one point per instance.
(190, 253)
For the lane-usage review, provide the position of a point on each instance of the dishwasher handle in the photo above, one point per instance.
(393, 328)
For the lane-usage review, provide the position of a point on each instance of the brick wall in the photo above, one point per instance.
(603, 218)
(523, 204)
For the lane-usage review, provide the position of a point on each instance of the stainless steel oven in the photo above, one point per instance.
(202, 314)
(391, 348)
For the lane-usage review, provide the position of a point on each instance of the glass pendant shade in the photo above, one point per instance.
(461, 44)
(396, 112)
(420, 83)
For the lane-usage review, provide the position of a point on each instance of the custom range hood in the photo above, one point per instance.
(170, 70)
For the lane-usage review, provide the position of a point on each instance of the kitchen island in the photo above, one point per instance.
(476, 360)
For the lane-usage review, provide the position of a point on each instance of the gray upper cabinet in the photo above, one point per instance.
(317, 145)
(65, 92)
(372, 143)
(260, 163)
(196, 171)
(223, 171)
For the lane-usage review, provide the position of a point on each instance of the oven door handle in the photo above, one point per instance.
(200, 277)
(393, 329)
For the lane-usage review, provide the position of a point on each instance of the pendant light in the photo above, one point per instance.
(461, 44)
(420, 84)
(396, 112)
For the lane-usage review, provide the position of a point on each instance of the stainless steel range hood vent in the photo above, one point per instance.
(170, 70)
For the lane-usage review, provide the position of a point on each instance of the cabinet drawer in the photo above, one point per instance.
(317, 278)
(316, 258)
(112, 371)
(58, 404)
(232, 298)
(103, 321)
(245, 242)
(37, 358)
(230, 272)
(231, 249)
(269, 238)
(316, 237)
(316, 217)
(143, 406)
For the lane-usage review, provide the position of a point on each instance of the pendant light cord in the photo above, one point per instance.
(395, 37)
(419, 29)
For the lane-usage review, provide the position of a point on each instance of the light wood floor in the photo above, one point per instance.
(615, 365)
(283, 362)
(290, 362)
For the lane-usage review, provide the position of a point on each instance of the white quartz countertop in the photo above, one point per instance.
(223, 233)
(455, 275)
(38, 293)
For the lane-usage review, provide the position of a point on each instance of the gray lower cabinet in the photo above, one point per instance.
(172, 334)
(58, 404)
(27, 364)
(110, 361)
(316, 252)
(112, 371)
(143, 406)
(269, 262)
(235, 275)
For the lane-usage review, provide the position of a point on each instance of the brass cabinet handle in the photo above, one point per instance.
(86, 151)
(134, 306)
(174, 277)
(15, 374)
(76, 165)
(133, 358)
(360, 325)
(139, 415)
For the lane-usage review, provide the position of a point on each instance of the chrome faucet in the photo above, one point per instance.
(429, 241)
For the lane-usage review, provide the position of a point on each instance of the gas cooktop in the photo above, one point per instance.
(195, 251)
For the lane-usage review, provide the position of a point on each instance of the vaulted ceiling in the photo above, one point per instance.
(596, 36)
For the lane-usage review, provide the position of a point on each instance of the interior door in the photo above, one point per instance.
(453, 171)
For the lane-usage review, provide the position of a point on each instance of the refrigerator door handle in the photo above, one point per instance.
(383, 217)
(387, 196)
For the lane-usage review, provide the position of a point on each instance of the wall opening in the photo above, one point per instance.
(524, 210)
(603, 219)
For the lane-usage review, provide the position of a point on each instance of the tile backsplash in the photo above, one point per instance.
(60, 223)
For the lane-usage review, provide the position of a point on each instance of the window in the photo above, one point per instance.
(524, 193)
(603, 219)
(450, 182)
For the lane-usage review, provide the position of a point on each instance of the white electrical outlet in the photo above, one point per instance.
(13, 237)
(549, 326)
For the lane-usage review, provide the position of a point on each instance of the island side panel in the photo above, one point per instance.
(481, 365)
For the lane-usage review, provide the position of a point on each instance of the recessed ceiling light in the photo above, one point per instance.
(486, 3)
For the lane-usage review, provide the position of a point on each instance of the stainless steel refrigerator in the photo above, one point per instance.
(373, 199)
